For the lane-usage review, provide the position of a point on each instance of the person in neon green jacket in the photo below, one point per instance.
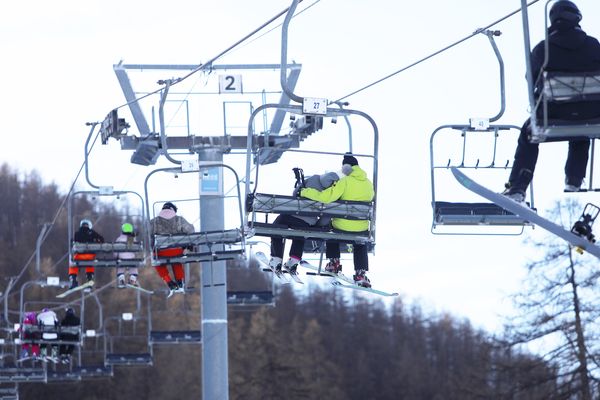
(355, 187)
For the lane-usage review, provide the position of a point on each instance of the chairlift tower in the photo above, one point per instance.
(209, 149)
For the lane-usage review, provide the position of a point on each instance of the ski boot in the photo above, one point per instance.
(121, 281)
(291, 266)
(73, 281)
(180, 286)
(133, 281)
(333, 266)
(90, 278)
(275, 264)
(173, 287)
(361, 279)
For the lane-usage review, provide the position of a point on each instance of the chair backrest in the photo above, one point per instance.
(571, 86)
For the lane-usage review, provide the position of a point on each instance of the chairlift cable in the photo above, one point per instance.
(278, 25)
(208, 64)
(239, 47)
(478, 31)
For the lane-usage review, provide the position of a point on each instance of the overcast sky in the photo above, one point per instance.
(57, 75)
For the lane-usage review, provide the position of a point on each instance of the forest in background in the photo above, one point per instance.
(315, 344)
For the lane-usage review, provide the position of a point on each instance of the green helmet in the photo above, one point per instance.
(127, 228)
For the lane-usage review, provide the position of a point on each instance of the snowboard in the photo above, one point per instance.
(523, 211)
(342, 280)
(86, 285)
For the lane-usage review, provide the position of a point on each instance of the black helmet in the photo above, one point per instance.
(565, 10)
(169, 205)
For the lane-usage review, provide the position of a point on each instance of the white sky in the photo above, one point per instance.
(57, 75)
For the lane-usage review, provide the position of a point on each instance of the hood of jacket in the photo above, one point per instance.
(567, 35)
(358, 173)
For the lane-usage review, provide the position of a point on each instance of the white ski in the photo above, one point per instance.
(86, 285)
(141, 289)
(263, 259)
(342, 280)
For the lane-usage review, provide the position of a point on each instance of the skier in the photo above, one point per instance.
(127, 236)
(357, 187)
(69, 320)
(167, 223)
(48, 323)
(85, 234)
(317, 182)
(30, 322)
(570, 50)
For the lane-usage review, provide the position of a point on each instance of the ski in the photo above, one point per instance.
(262, 258)
(294, 276)
(55, 360)
(342, 280)
(139, 288)
(86, 285)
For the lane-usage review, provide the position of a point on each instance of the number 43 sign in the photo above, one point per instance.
(230, 84)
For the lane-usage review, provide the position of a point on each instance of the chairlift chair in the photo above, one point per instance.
(477, 218)
(264, 204)
(207, 246)
(106, 254)
(563, 92)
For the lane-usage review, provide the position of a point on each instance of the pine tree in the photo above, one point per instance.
(559, 310)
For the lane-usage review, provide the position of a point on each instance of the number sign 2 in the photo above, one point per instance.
(230, 84)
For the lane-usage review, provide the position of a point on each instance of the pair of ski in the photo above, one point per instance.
(41, 358)
(338, 280)
(279, 273)
(90, 284)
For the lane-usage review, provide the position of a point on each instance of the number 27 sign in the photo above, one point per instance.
(230, 84)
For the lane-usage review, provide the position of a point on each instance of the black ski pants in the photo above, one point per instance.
(360, 253)
(526, 157)
(277, 243)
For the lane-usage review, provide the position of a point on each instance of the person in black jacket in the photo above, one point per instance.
(85, 234)
(570, 50)
(70, 320)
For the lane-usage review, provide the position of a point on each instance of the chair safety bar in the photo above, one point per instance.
(173, 337)
(22, 375)
(200, 257)
(128, 359)
(106, 247)
(271, 203)
(249, 298)
(568, 94)
(198, 239)
(94, 371)
(63, 376)
(113, 262)
(275, 230)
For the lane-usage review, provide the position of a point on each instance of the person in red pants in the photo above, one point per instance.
(85, 234)
(168, 223)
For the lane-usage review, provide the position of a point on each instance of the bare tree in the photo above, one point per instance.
(558, 312)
